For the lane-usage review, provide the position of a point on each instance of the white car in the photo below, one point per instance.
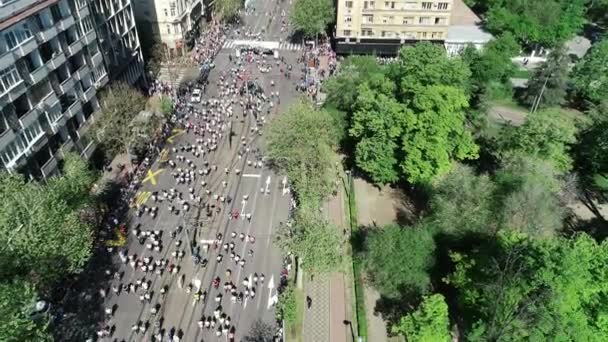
(196, 96)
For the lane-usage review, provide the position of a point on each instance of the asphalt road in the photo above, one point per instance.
(178, 309)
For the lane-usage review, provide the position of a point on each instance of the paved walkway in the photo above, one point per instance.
(324, 321)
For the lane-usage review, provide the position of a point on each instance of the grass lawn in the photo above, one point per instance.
(521, 73)
(359, 302)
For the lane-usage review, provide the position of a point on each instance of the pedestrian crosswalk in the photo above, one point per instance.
(285, 46)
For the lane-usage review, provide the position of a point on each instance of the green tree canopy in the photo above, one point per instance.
(435, 134)
(529, 192)
(308, 162)
(462, 201)
(429, 323)
(549, 80)
(547, 23)
(546, 134)
(342, 90)
(228, 9)
(310, 236)
(40, 225)
(17, 300)
(312, 17)
(426, 64)
(120, 103)
(589, 75)
(591, 153)
(526, 289)
(398, 260)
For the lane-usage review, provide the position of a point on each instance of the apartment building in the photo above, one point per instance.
(174, 22)
(381, 27)
(50, 69)
(119, 41)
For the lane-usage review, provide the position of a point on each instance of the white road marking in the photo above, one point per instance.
(251, 175)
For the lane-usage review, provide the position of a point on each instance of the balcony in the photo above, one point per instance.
(57, 61)
(25, 48)
(80, 73)
(89, 37)
(67, 146)
(88, 94)
(88, 150)
(65, 23)
(39, 74)
(102, 81)
(30, 117)
(83, 12)
(47, 34)
(49, 167)
(16, 91)
(67, 85)
(56, 125)
(7, 59)
(97, 59)
(39, 142)
(7, 137)
(74, 109)
(75, 47)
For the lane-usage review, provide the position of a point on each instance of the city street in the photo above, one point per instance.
(255, 191)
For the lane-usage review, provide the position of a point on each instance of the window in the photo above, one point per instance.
(348, 4)
(348, 19)
(427, 5)
(368, 4)
(176, 28)
(9, 78)
(422, 35)
(410, 5)
(389, 4)
(347, 33)
(172, 6)
(424, 20)
(408, 20)
(367, 32)
(17, 35)
(87, 24)
(166, 12)
(385, 20)
(440, 21)
(442, 6)
(168, 29)
(368, 19)
(436, 35)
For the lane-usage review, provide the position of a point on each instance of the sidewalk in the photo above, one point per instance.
(330, 294)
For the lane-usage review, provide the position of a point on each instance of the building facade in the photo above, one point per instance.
(119, 41)
(50, 70)
(381, 27)
(173, 22)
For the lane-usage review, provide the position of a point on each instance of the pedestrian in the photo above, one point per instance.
(308, 301)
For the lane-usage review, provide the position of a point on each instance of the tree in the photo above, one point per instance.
(377, 126)
(312, 17)
(520, 288)
(589, 74)
(166, 106)
(41, 226)
(529, 194)
(313, 239)
(287, 307)
(464, 202)
(547, 23)
(342, 89)
(228, 9)
(260, 332)
(436, 134)
(308, 162)
(17, 299)
(549, 80)
(546, 135)
(398, 260)
(426, 64)
(429, 323)
(493, 65)
(591, 153)
(120, 103)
